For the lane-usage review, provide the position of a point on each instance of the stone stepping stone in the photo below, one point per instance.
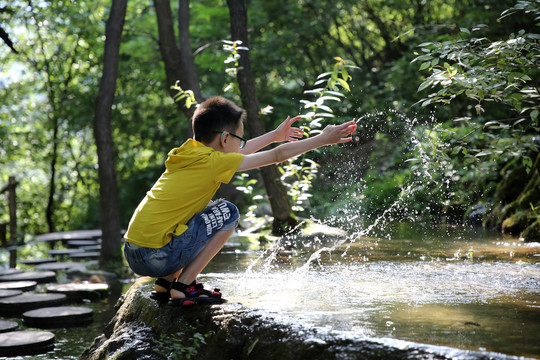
(10, 271)
(78, 292)
(79, 243)
(58, 317)
(37, 261)
(6, 325)
(40, 277)
(8, 293)
(18, 285)
(59, 266)
(65, 252)
(69, 235)
(18, 343)
(91, 248)
(85, 255)
(16, 305)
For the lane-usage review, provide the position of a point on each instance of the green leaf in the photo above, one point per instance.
(534, 115)
(424, 85)
(425, 65)
(344, 84)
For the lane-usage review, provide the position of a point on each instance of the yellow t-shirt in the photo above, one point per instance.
(193, 174)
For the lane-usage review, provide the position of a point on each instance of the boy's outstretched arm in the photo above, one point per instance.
(332, 134)
(284, 132)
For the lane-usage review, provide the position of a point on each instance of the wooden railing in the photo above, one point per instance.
(10, 243)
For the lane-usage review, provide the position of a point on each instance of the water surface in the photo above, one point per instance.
(453, 286)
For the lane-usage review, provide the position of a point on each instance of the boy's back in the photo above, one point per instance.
(193, 174)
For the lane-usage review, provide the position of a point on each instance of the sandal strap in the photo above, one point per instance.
(195, 289)
(163, 283)
(200, 287)
(188, 290)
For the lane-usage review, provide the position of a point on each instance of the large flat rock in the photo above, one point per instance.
(232, 331)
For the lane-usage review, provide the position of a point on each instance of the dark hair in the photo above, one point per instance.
(216, 114)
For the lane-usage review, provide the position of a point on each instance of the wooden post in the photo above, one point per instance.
(3, 234)
(12, 199)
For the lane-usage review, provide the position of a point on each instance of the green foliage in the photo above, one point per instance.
(182, 345)
(298, 174)
(55, 78)
(489, 72)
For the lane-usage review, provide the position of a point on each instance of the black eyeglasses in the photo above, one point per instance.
(242, 140)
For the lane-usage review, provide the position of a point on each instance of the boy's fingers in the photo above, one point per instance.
(293, 119)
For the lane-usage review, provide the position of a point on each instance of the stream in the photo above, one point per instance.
(458, 287)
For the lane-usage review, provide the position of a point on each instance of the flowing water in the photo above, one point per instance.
(453, 286)
(458, 287)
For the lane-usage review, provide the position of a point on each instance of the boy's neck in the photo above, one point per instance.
(214, 144)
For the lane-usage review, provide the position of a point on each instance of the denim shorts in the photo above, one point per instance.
(182, 249)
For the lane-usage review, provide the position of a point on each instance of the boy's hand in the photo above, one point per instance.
(334, 134)
(284, 132)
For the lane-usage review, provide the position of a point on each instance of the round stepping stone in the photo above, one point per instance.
(63, 252)
(39, 277)
(18, 343)
(79, 243)
(18, 285)
(85, 255)
(8, 293)
(10, 271)
(16, 305)
(37, 261)
(69, 235)
(91, 248)
(58, 317)
(59, 266)
(6, 325)
(79, 292)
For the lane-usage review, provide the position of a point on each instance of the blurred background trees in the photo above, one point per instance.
(423, 94)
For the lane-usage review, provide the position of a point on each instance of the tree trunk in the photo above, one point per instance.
(178, 60)
(277, 193)
(52, 184)
(108, 189)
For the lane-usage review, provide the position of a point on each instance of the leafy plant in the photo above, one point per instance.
(489, 72)
(182, 345)
(297, 175)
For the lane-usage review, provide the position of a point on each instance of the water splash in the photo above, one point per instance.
(428, 166)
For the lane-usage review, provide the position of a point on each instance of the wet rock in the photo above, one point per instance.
(145, 329)
(532, 232)
(515, 224)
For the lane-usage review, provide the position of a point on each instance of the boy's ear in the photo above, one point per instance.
(223, 138)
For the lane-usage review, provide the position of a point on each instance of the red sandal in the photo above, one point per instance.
(195, 294)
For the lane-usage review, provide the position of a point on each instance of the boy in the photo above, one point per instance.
(175, 232)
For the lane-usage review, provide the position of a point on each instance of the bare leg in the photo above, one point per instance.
(194, 268)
